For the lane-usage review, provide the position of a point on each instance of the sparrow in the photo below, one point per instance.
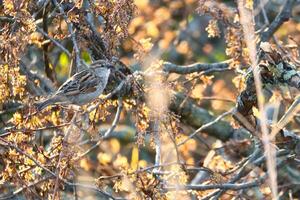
(81, 88)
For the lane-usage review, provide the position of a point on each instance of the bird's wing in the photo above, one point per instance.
(81, 83)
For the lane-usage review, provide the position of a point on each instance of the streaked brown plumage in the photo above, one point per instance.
(82, 88)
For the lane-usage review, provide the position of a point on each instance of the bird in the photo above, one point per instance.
(81, 88)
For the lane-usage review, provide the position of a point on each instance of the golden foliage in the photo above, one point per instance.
(12, 84)
(213, 29)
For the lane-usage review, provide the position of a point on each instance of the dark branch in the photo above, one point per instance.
(282, 17)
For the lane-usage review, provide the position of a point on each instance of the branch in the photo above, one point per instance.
(72, 34)
(243, 171)
(94, 188)
(54, 41)
(206, 126)
(85, 186)
(109, 131)
(196, 67)
(18, 191)
(285, 119)
(46, 84)
(61, 154)
(255, 159)
(97, 45)
(157, 141)
(6, 19)
(190, 112)
(282, 17)
(196, 117)
(225, 186)
(50, 72)
(7, 144)
(10, 145)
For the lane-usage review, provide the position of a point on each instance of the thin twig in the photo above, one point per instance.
(72, 34)
(289, 114)
(18, 191)
(7, 144)
(10, 145)
(157, 141)
(225, 186)
(64, 144)
(11, 130)
(109, 131)
(241, 173)
(85, 186)
(206, 126)
(216, 99)
(54, 41)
